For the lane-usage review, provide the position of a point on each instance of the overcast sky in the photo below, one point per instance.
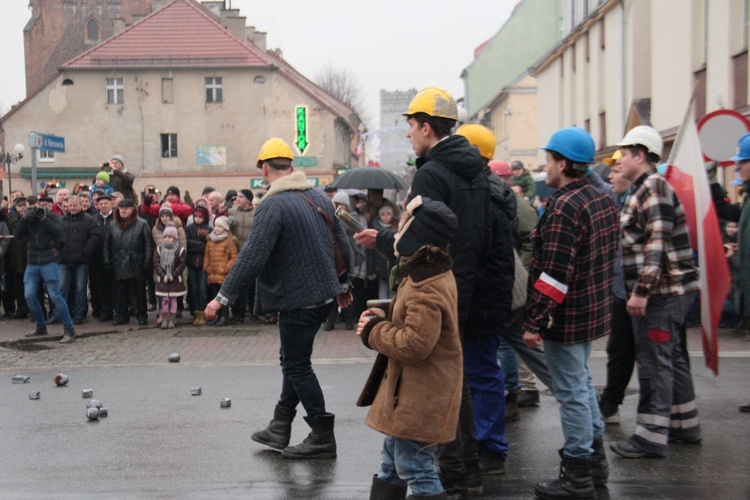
(388, 44)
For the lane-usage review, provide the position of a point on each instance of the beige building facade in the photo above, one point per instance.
(512, 117)
(189, 123)
(631, 62)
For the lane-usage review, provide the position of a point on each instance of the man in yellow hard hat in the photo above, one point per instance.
(290, 251)
(451, 170)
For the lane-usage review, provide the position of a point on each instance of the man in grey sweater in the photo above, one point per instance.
(290, 251)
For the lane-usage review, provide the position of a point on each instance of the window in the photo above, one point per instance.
(169, 145)
(47, 156)
(739, 68)
(167, 90)
(92, 31)
(259, 79)
(213, 89)
(700, 93)
(602, 34)
(115, 91)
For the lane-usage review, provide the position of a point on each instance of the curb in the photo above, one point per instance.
(79, 335)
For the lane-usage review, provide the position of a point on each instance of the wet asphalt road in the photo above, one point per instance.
(161, 442)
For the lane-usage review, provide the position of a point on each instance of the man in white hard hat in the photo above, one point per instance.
(661, 282)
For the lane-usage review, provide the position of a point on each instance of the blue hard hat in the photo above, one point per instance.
(743, 149)
(573, 143)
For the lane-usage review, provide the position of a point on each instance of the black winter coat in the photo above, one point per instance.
(453, 172)
(15, 260)
(103, 225)
(81, 236)
(196, 244)
(44, 238)
(128, 248)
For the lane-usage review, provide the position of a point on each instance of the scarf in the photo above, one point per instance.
(216, 238)
(168, 252)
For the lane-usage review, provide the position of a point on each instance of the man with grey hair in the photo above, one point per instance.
(119, 177)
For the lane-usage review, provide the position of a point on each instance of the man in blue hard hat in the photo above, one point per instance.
(742, 160)
(570, 304)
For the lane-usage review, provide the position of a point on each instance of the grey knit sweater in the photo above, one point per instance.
(289, 251)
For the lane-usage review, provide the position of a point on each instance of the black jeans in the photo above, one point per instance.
(102, 297)
(620, 354)
(123, 289)
(461, 453)
(297, 330)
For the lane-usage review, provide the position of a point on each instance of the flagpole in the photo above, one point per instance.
(681, 130)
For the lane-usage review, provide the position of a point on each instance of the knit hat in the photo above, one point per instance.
(223, 222)
(426, 222)
(102, 176)
(118, 158)
(247, 194)
(166, 211)
(173, 190)
(342, 198)
(203, 212)
(170, 230)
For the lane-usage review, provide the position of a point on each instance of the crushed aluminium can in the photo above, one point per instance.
(196, 391)
(174, 357)
(225, 403)
(61, 380)
(87, 393)
(21, 379)
(35, 395)
(94, 403)
(93, 413)
(103, 412)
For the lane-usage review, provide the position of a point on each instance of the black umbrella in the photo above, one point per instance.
(368, 178)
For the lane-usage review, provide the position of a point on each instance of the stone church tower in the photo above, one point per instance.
(59, 30)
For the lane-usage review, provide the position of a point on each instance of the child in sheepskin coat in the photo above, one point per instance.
(415, 385)
(221, 252)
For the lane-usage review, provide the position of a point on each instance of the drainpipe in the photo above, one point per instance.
(624, 68)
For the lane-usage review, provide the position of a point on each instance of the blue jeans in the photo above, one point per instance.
(50, 274)
(485, 378)
(297, 330)
(509, 362)
(80, 274)
(197, 288)
(579, 409)
(410, 462)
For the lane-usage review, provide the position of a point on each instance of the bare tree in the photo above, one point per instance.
(342, 85)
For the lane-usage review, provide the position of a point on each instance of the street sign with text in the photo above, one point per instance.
(47, 142)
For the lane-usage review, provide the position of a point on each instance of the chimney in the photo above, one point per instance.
(260, 40)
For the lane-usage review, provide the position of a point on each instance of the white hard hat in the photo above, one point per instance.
(643, 136)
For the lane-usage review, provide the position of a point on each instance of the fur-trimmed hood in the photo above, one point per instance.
(296, 181)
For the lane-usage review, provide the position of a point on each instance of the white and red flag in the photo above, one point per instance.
(687, 176)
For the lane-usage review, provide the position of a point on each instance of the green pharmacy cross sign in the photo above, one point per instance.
(301, 142)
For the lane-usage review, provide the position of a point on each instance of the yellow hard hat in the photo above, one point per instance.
(479, 136)
(274, 148)
(434, 102)
(612, 159)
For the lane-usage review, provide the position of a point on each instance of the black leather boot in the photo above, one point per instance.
(320, 443)
(383, 490)
(224, 317)
(574, 481)
(277, 434)
(599, 465)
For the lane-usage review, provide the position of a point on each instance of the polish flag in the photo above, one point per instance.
(687, 176)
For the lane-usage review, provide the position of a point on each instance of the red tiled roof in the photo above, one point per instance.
(180, 35)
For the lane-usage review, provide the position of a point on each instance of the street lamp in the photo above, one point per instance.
(9, 159)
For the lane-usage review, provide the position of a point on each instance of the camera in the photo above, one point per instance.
(153, 190)
(37, 212)
(104, 166)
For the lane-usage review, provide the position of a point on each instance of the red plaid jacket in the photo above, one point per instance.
(572, 265)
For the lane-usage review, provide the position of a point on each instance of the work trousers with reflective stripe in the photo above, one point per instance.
(666, 405)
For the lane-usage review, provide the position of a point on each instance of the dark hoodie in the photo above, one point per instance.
(128, 248)
(453, 172)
